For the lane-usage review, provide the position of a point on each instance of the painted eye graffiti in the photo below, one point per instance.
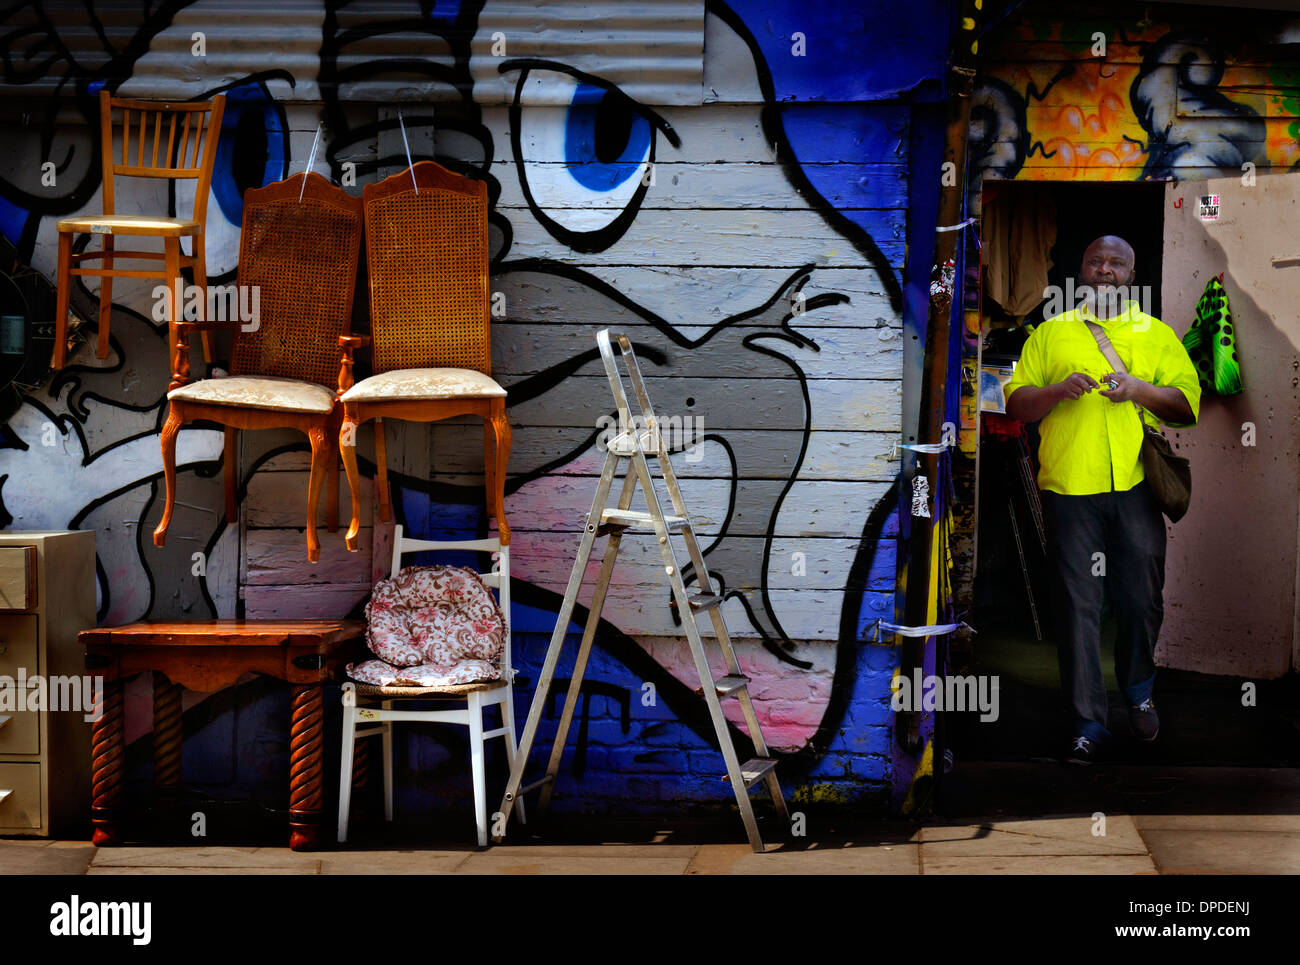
(585, 163)
(606, 141)
(253, 147)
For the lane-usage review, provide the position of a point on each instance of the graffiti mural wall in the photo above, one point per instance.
(1121, 96)
(732, 193)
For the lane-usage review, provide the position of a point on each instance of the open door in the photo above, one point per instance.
(1231, 577)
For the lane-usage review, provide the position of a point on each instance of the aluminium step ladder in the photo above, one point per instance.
(629, 448)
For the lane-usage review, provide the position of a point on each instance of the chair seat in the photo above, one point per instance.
(372, 690)
(424, 384)
(258, 392)
(131, 224)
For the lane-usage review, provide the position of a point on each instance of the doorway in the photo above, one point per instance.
(1201, 702)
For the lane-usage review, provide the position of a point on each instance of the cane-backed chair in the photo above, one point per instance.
(158, 140)
(301, 256)
(427, 253)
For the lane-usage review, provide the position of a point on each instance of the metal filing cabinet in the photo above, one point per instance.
(47, 596)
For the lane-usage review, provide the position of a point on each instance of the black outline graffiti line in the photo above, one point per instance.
(597, 239)
(774, 130)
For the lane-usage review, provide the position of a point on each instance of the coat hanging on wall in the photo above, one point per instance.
(1211, 342)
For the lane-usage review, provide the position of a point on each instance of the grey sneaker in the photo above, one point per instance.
(1143, 722)
(1082, 752)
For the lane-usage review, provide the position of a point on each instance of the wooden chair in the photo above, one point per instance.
(302, 257)
(427, 252)
(373, 705)
(159, 140)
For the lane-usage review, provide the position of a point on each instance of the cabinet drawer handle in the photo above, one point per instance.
(4, 793)
(5, 719)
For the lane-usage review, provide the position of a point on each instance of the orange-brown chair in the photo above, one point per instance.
(301, 256)
(427, 254)
(159, 140)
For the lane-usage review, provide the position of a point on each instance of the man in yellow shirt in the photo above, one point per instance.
(1105, 529)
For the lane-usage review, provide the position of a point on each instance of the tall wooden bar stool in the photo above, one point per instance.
(159, 140)
(427, 252)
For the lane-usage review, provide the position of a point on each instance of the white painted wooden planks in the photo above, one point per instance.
(721, 232)
(830, 454)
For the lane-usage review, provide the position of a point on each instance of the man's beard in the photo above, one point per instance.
(1109, 299)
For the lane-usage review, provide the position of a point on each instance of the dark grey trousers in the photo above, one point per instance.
(1128, 530)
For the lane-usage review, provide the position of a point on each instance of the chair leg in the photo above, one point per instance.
(345, 769)
(512, 745)
(501, 429)
(63, 281)
(319, 451)
(387, 738)
(348, 450)
(172, 273)
(201, 280)
(168, 440)
(231, 474)
(332, 484)
(381, 474)
(105, 301)
(477, 768)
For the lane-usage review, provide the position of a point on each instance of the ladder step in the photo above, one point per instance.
(611, 519)
(731, 683)
(726, 686)
(754, 770)
(624, 445)
(704, 601)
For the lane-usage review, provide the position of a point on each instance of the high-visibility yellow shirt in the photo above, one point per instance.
(1091, 444)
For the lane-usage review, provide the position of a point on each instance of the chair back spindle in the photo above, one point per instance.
(188, 151)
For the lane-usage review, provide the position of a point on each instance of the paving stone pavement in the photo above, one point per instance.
(1054, 845)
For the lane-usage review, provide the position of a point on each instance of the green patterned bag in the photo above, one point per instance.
(1211, 343)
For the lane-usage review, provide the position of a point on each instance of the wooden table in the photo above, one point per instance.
(207, 655)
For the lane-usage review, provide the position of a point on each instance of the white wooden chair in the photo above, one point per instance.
(373, 707)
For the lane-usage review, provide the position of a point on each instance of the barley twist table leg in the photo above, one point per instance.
(306, 766)
(107, 762)
(166, 734)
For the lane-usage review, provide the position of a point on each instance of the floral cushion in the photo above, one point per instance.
(258, 392)
(424, 384)
(382, 674)
(432, 626)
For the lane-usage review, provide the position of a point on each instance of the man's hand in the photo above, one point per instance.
(1076, 385)
(1164, 402)
(1128, 388)
(1030, 403)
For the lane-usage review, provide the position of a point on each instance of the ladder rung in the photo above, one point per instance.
(623, 445)
(528, 788)
(731, 683)
(726, 686)
(754, 770)
(626, 518)
(704, 601)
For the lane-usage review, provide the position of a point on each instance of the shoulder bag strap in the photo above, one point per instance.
(1108, 350)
